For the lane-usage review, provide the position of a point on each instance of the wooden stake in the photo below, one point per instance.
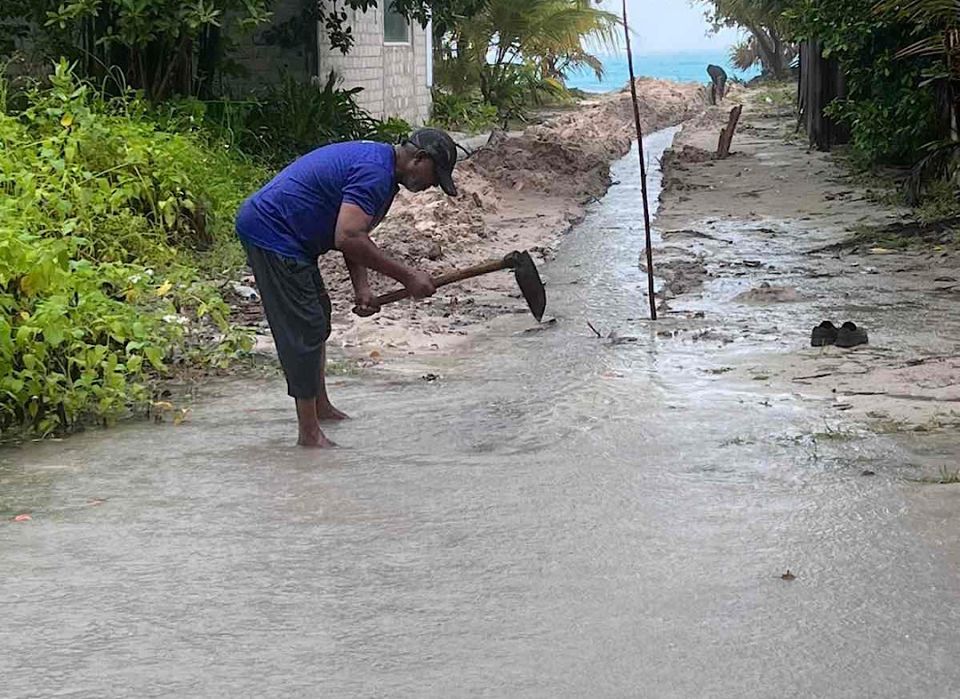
(643, 168)
(726, 134)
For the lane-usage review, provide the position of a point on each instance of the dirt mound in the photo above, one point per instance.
(688, 154)
(570, 154)
(544, 162)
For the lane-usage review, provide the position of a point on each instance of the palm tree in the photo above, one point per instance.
(746, 54)
(509, 46)
(937, 22)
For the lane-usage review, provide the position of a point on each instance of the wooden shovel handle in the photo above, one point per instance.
(450, 278)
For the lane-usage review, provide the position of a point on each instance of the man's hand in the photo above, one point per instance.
(366, 302)
(419, 285)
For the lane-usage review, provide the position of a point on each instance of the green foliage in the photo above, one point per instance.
(892, 129)
(296, 117)
(462, 112)
(291, 119)
(168, 47)
(99, 214)
(890, 114)
(514, 87)
(516, 54)
(162, 47)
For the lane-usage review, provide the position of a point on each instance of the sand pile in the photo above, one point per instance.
(570, 155)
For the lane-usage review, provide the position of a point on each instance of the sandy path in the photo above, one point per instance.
(755, 242)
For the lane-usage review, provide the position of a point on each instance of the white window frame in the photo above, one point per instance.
(383, 27)
(429, 52)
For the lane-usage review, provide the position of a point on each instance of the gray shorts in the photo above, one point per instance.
(298, 310)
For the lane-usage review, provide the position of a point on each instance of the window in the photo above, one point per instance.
(396, 28)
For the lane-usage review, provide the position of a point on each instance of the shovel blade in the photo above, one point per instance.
(531, 286)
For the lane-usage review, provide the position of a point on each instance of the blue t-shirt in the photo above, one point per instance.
(295, 214)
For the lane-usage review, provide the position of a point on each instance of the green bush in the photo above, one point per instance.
(889, 107)
(514, 88)
(100, 217)
(292, 118)
(462, 112)
(296, 117)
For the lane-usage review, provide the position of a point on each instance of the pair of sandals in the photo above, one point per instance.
(847, 335)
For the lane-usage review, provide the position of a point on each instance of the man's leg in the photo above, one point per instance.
(298, 321)
(325, 410)
(310, 434)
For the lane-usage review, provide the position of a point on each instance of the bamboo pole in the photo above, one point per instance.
(643, 168)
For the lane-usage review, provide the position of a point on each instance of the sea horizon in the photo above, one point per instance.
(681, 66)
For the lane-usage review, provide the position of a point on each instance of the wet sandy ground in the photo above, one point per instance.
(551, 514)
(750, 242)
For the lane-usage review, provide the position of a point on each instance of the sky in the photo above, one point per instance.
(661, 26)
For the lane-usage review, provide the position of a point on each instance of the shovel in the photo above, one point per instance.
(524, 270)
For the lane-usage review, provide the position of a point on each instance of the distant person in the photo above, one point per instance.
(330, 199)
(718, 78)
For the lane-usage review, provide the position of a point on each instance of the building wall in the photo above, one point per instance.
(265, 56)
(393, 76)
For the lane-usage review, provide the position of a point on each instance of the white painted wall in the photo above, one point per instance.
(395, 77)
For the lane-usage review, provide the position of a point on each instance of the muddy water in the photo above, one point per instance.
(556, 515)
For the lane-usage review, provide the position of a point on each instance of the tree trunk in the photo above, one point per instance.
(764, 47)
(779, 67)
(207, 58)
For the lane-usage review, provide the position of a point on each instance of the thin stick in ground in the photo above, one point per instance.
(643, 167)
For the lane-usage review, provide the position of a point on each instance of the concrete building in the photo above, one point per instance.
(391, 59)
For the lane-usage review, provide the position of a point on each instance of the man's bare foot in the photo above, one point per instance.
(325, 412)
(314, 440)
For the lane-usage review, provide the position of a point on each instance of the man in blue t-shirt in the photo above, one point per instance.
(330, 199)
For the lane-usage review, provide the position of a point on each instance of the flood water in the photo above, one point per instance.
(555, 516)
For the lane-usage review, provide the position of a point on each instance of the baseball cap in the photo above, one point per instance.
(442, 150)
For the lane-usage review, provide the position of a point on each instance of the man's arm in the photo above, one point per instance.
(358, 275)
(353, 240)
(363, 295)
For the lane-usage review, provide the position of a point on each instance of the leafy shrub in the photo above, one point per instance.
(462, 112)
(100, 212)
(514, 88)
(889, 107)
(291, 119)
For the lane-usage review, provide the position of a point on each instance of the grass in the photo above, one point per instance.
(738, 442)
(904, 236)
(345, 367)
(778, 94)
(940, 202)
(886, 186)
(947, 476)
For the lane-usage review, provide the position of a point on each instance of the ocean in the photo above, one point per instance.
(682, 67)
